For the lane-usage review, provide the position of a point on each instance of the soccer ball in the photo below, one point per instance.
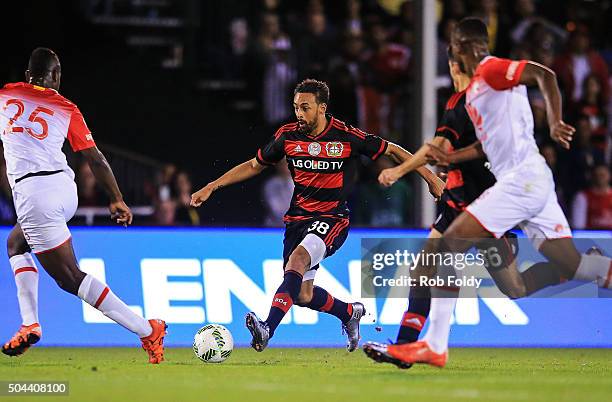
(213, 343)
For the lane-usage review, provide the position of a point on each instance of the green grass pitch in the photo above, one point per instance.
(295, 375)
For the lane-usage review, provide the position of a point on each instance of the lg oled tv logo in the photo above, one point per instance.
(210, 290)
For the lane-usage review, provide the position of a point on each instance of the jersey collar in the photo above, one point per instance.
(330, 123)
(486, 58)
(29, 86)
(477, 72)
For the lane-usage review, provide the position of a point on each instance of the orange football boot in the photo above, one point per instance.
(22, 340)
(418, 352)
(154, 343)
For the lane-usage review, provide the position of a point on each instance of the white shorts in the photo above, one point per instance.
(44, 204)
(526, 198)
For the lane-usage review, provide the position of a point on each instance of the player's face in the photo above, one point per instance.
(455, 70)
(460, 48)
(307, 111)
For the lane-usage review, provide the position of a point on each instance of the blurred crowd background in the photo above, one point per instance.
(177, 92)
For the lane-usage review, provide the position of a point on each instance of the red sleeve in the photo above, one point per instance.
(503, 74)
(79, 136)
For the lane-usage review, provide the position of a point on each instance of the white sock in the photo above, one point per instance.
(98, 295)
(442, 305)
(595, 268)
(26, 279)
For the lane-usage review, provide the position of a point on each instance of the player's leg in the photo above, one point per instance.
(288, 292)
(286, 295)
(458, 238)
(44, 206)
(582, 267)
(550, 233)
(413, 319)
(306, 244)
(419, 300)
(500, 262)
(60, 263)
(26, 281)
(432, 349)
(293, 256)
(26, 275)
(324, 237)
(478, 221)
(318, 299)
(306, 255)
(539, 276)
(321, 241)
(307, 298)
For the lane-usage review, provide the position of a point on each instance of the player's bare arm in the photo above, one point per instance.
(542, 76)
(400, 155)
(244, 171)
(389, 176)
(120, 212)
(438, 156)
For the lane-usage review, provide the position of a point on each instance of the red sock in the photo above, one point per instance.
(324, 302)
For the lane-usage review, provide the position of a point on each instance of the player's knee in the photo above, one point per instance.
(13, 249)
(305, 297)
(67, 285)
(515, 292)
(568, 267)
(298, 261)
(453, 241)
(16, 247)
(71, 281)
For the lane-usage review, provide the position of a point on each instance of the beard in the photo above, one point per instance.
(305, 127)
(462, 67)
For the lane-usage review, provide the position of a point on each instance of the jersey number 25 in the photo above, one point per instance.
(34, 118)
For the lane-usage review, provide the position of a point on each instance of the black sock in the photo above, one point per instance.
(287, 292)
(324, 302)
(414, 318)
(539, 276)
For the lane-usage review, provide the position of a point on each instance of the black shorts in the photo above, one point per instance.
(446, 216)
(332, 230)
(498, 253)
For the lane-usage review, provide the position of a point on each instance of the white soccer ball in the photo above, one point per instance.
(213, 343)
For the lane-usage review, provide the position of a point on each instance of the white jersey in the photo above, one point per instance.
(34, 123)
(499, 109)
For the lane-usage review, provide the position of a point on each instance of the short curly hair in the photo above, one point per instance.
(318, 88)
(474, 29)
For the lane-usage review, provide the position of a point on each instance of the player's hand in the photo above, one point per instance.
(562, 133)
(201, 196)
(436, 187)
(389, 176)
(120, 213)
(436, 156)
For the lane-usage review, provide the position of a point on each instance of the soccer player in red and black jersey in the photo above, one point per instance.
(322, 154)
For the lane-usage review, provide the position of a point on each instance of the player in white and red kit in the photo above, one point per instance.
(524, 194)
(35, 121)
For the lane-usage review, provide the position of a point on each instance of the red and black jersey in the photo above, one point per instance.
(466, 180)
(323, 168)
